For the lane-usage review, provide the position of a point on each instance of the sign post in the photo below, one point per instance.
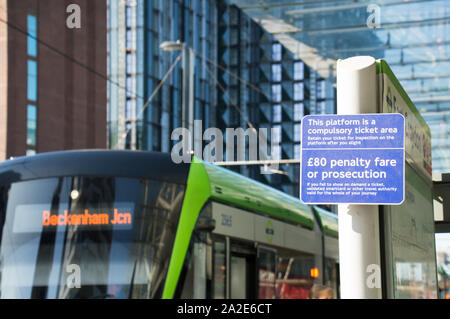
(359, 229)
(362, 159)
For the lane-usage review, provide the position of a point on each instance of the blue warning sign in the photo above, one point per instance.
(353, 159)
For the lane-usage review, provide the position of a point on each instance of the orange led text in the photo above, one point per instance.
(67, 219)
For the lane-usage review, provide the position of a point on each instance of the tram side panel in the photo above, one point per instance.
(299, 250)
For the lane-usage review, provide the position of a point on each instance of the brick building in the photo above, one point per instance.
(52, 78)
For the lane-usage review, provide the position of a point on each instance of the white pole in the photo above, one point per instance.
(359, 240)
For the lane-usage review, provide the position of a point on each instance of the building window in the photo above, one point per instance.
(32, 35)
(276, 93)
(128, 137)
(276, 134)
(131, 63)
(32, 80)
(131, 40)
(276, 52)
(321, 93)
(322, 107)
(297, 151)
(276, 72)
(297, 132)
(234, 37)
(130, 106)
(299, 69)
(276, 113)
(298, 91)
(234, 57)
(130, 86)
(298, 112)
(31, 126)
(130, 18)
(276, 152)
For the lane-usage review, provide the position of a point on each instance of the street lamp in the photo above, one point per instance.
(187, 113)
(172, 46)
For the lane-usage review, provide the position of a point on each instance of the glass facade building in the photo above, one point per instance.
(243, 77)
(412, 36)
(136, 65)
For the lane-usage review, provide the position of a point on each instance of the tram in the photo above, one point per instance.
(130, 224)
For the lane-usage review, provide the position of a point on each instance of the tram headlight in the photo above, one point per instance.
(74, 194)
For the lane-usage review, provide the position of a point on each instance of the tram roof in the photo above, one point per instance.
(138, 164)
(328, 221)
(233, 188)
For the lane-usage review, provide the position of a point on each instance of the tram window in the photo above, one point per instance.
(293, 275)
(266, 274)
(330, 275)
(195, 282)
(196, 276)
(111, 261)
(443, 264)
(220, 273)
(238, 277)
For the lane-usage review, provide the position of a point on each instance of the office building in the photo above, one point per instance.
(243, 77)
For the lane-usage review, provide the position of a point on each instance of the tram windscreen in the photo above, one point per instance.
(87, 237)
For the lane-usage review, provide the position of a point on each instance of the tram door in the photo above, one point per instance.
(242, 280)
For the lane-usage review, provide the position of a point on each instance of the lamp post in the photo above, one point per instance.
(187, 113)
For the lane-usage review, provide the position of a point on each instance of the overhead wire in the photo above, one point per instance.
(65, 55)
(155, 91)
(261, 133)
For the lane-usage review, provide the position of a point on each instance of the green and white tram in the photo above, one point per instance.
(123, 224)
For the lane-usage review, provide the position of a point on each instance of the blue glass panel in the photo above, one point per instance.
(32, 47)
(276, 93)
(298, 112)
(276, 112)
(32, 25)
(31, 125)
(298, 91)
(276, 52)
(32, 35)
(129, 17)
(298, 71)
(276, 72)
(32, 113)
(32, 80)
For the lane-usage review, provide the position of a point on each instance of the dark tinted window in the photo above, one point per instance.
(87, 237)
